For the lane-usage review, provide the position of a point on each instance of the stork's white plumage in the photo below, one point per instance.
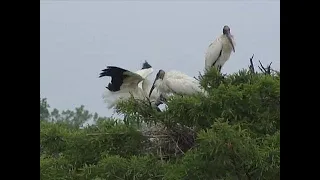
(125, 83)
(219, 51)
(176, 82)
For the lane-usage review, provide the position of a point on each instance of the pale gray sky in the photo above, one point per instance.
(78, 39)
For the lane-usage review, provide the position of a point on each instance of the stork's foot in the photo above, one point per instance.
(223, 75)
(158, 109)
(155, 106)
(163, 100)
(219, 70)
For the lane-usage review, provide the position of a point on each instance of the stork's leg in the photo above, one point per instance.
(158, 109)
(219, 68)
(125, 120)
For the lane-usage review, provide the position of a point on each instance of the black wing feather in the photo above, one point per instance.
(117, 77)
(217, 58)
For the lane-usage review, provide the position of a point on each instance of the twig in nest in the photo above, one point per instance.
(251, 67)
(97, 134)
(183, 126)
(156, 136)
(161, 158)
(177, 145)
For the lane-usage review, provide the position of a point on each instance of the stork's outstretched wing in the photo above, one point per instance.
(120, 78)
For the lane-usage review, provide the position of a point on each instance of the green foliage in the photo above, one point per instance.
(44, 111)
(53, 138)
(85, 146)
(253, 100)
(229, 152)
(234, 133)
(56, 168)
(75, 118)
(116, 167)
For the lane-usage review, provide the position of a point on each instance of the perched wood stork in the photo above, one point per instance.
(176, 82)
(125, 83)
(219, 51)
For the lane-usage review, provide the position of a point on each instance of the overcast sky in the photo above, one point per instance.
(79, 39)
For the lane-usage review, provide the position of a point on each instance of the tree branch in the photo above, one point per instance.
(251, 66)
(265, 70)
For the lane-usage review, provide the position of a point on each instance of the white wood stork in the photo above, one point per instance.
(125, 83)
(219, 51)
(176, 82)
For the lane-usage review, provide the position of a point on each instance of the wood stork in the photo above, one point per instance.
(125, 83)
(219, 51)
(176, 82)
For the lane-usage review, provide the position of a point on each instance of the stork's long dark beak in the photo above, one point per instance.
(153, 86)
(231, 42)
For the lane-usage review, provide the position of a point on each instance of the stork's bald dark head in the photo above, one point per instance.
(226, 32)
(160, 74)
(226, 29)
(146, 65)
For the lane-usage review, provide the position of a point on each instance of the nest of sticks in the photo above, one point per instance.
(168, 143)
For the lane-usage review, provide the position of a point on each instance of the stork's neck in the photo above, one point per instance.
(146, 86)
(225, 41)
